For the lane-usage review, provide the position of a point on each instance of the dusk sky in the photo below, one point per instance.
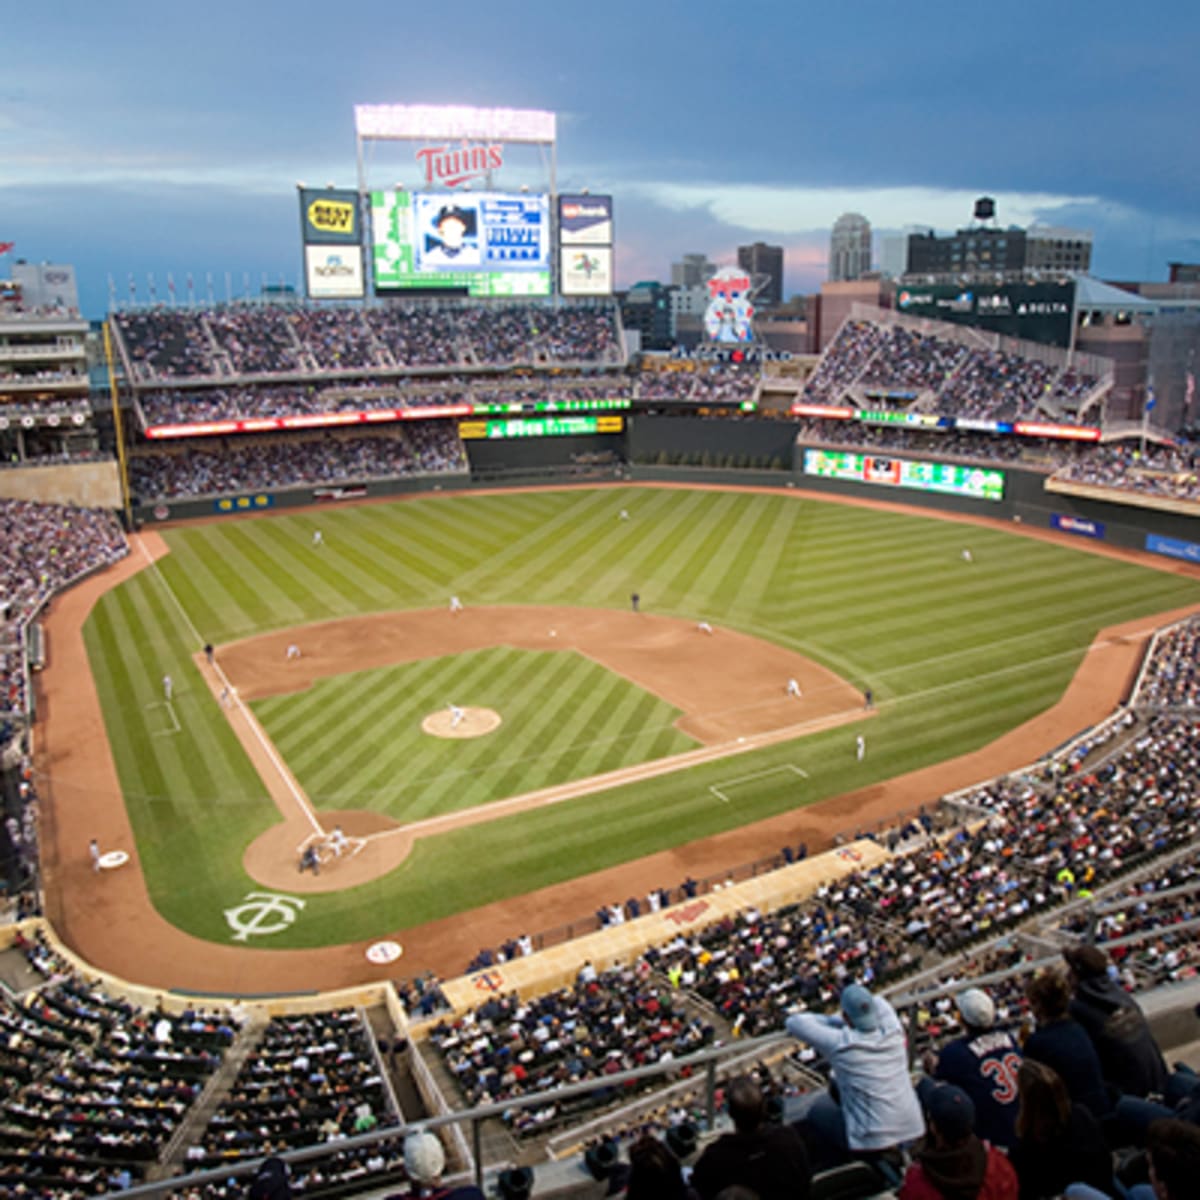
(138, 138)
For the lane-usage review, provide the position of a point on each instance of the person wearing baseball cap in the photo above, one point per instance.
(983, 1062)
(952, 1163)
(876, 1109)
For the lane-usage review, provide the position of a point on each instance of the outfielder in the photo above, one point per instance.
(318, 538)
(168, 688)
(860, 747)
(968, 556)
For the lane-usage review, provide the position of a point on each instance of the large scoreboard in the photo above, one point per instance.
(980, 483)
(473, 243)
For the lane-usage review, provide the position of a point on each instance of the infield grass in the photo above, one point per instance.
(956, 653)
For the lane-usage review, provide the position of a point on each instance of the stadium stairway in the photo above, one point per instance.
(191, 1129)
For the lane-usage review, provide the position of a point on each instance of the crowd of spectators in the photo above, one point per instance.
(1171, 472)
(967, 381)
(247, 464)
(365, 395)
(1172, 677)
(20, 865)
(93, 1088)
(312, 1078)
(607, 1022)
(43, 547)
(165, 343)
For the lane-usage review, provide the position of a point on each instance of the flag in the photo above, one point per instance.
(6, 247)
(1190, 391)
(1151, 399)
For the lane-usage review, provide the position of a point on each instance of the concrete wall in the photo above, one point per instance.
(90, 484)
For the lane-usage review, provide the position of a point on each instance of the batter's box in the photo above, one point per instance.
(720, 792)
(166, 721)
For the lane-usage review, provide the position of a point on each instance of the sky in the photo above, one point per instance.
(146, 139)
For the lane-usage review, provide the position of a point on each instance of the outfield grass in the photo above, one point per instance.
(956, 654)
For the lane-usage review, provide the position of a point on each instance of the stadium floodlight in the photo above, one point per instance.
(453, 121)
(301, 184)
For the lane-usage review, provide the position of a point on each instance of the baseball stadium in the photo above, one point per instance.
(449, 744)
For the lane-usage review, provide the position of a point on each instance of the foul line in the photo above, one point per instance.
(720, 795)
(175, 726)
(239, 706)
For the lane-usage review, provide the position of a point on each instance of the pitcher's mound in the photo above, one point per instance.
(475, 722)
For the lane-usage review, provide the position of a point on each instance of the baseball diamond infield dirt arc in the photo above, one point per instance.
(110, 921)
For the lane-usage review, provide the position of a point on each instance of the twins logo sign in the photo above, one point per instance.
(262, 913)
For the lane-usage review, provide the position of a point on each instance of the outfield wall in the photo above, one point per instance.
(1025, 498)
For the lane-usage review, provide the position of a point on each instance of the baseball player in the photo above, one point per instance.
(318, 538)
(209, 652)
(293, 651)
(226, 697)
(793, 688)
(456, 605)
(94, 852)
(168, 688)
(624, 516)
(705, 627)
(634, 601)
(967, 556)
(337, 841)
(456, 716)
(860, 747)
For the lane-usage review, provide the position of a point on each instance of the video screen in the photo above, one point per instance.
(476, 243)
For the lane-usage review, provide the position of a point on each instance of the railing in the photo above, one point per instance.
(702, 1066)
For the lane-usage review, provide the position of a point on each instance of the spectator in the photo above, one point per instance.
(1130, 1059)
(876, 1108)
(1059, 1141)
(952, 1163)
(655, 1173)
(1063, 1045)
(770, 1160)
(984, 1064)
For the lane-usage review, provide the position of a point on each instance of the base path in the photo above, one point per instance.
(108, 919)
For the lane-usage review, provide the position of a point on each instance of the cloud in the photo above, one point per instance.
(791, 210)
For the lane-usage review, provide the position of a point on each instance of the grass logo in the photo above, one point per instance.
(253, 917)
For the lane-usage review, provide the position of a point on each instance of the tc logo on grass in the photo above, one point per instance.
(262, 913)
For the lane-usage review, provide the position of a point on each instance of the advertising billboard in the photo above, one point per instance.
(585, 220)
(333, 272)
(329, 215)
(1038, 312)
(729, 316)
(482, 243)
(586, 270)
(979, 483)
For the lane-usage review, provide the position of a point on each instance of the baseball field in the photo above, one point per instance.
(839, 597)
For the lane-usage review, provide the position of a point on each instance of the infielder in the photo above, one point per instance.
(168, 688)
(94, 851)
(793, 688)
(293, 651)
(705, 627)
(456, 716)
(456, 605)
(860, 747)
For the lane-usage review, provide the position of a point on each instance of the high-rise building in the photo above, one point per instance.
(761, 259)
(850, 248)
(694, 271)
